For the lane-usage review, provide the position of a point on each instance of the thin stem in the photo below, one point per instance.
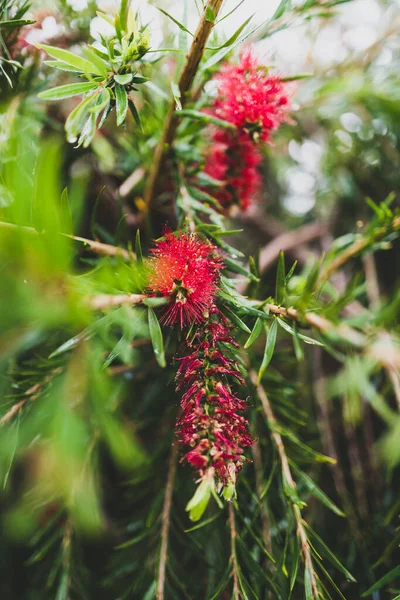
(286, 472)
(91, 245)
(166, 520)
(108, 300)
(185, 83)
(232, 527)
(31, 394)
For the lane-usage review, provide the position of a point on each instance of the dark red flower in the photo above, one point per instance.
(234, 159)
(210, 423)
(185, 268)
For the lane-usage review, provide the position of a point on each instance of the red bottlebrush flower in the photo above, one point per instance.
(256, 103)
(210, 423)
(234, 160)
(250, 98)
(185, 269)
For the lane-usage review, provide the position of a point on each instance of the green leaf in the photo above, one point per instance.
(123, 79)
(236, 267)
(383, 581)
(269, 349)
(203, 523)
(138, 249)
(323, 548)
(290, 330)
(308, 584)
(74, 60)
(297, 77)
(237, 320)
(283, 7)
(76, 119)
(62, 66)
(257, 329)
(235, 36)
(156, 338)
(205, 118)
(121, 103)
(97, 62)
(280, 279)
(16, 23)
(181, 27)
(317, 492)
(134, 112)
(198, 503)
(67, 91)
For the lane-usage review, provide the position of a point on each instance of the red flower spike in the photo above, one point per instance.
(185, 269)
(256, 103)
(210, 424)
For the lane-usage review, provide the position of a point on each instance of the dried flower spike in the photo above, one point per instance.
(185, 268)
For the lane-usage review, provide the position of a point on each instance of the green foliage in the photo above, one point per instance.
(95, 502)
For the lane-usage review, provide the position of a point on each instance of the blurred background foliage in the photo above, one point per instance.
(87, 414)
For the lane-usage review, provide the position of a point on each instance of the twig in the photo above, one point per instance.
(289, 240)
(129, 183)
(31, 394)
(108, 300)
(265, 524)
(185, 82)
(91, 245)
(277, 440)
(166, 519)
(356, 248)
(232, 526)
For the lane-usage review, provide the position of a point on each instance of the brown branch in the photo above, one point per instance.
(277, 440)
(356, 248)
(91, 245)
(185, 82)
(108, 300)
(166, 519)
(232, 527)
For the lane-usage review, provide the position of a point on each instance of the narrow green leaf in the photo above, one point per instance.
(62, 66)
(16, 23)
(138, 249)
(383, 581)
(67, 91)
(74, 60)
(327, 552)
(156, 338)
(203, 523)
(134, 112)
(317, 492)
(280, 279)
(236, 267)
(257, 329)
(235, 36)
(237, 320)
(121, 103)
(290, 330)
(308, 584)
(269, 349)
(283, 7)
(205, 118)
(97, 62)
(181, 27)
